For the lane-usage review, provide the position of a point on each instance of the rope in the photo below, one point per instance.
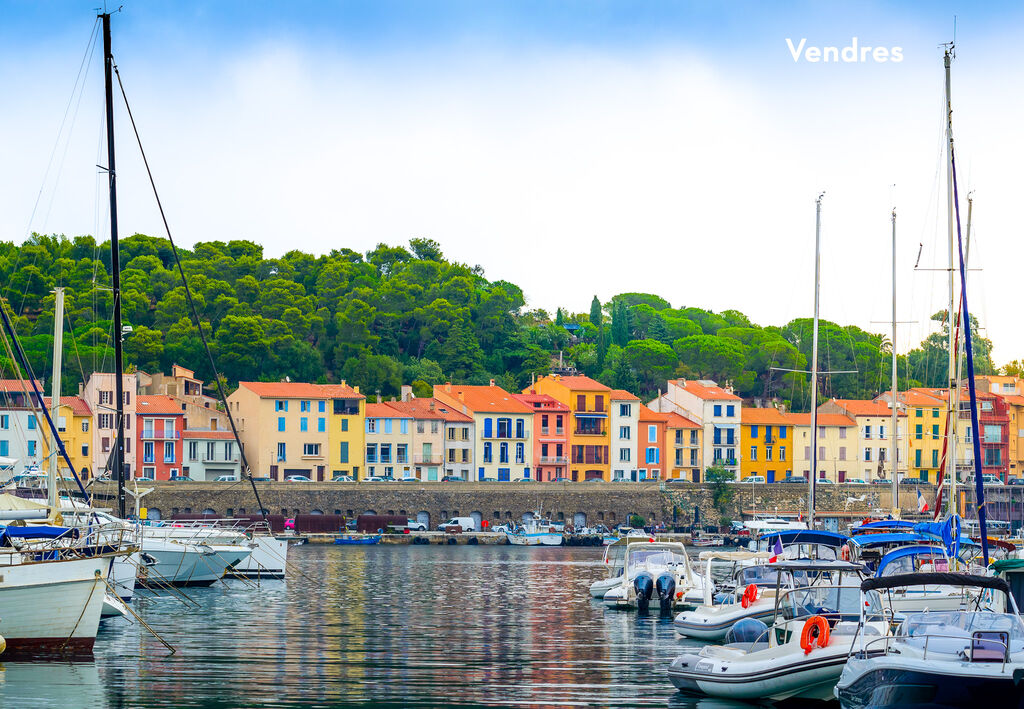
(142, 622)
(97, 577)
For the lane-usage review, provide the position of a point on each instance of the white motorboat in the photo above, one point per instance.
(625, 533)
(536, 531)
(614, 562)
(769, 525)
(658, 572)
(269, 558)
(712, 620)
(938, 659)
(803, 652)
(51, 608)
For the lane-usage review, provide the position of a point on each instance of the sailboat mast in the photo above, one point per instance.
(58, 351)
(814, 363)
(893, 458)
(954, 389)
(115, 268)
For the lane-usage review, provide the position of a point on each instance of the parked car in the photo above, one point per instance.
(910, 480)
(298, 479)
(825, 481)
(408, 479)
(451, 479)
(145, 479)
(416, 526)
(856, 481)
(527, 480)
(180, 479)
(376, 479)
(562, 480)
(753, 479)
(881, 481)
(594, 480)
(1015, 481)
(488, 480)
(225, 479)
(343, 479)
(467, 524)
(794, 479)
(290, 523)
(261, 479)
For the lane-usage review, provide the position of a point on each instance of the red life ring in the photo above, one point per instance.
(815, 632)
(844, 552)
(749, 595)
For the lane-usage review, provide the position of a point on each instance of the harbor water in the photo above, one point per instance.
(383, 626)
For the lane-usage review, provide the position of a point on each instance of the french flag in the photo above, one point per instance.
(776, 550)
(922, 504)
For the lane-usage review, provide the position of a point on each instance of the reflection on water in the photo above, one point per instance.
(382, 626)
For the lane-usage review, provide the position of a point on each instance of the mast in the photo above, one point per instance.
(58, 352)
(895, 394)
(814, 363)
(115, 268)
(954, 389)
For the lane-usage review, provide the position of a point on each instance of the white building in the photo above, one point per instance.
(98, 392)
(210, 454)
(625, 430)
(716, 409)
(21, 434)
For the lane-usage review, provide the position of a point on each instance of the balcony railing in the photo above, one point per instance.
(509, 437)
(428, 459)
(589, 432)
(554, 460)
(158, 435)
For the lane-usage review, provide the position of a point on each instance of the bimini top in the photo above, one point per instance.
(807, 536)
(36, 532)
(806, 565)
(883, 524)
(874, 540)
(896, 554)
(937, 579)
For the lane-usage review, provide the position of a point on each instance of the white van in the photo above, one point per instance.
(225, 479)
(467, 524)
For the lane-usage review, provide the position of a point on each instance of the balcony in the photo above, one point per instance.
(162, 435)
(554, 460)
(429, 459)
(509, 437)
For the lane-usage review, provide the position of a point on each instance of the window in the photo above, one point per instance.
(625, 410)
(520, 428)
(304, 406)
(623, 455)
(31, 447)
(229, 450)
(106, 398)
(693, 457)
(821, 453)
(321, 424)
(993, 434)
(62, 423)
(782, 453)
(5, 422)
(503, 452)
(488, 427)
(718, 453)
(387, 425)
(210, 450)
(312, 449)
(31, 422)
(935, 413)
(652, 433)
(321, 407)
(168, 451)
(281, 453)
(371, 425)
(581, 402)
(753, 431)
(867, 455)
(730, 437)
(193, 450)
(730, 410)
(768, 453)
(882, 455)
(343, 452)
(106, 420)
(821, 432)
(421, 426)
(753, 453)
(487, 452)
(842, 433)
(304, 424)
(279, 405)
(917, 457)
(403, 426)
(434, 427)
(385, 452)
(918, 413)
(344, 424)
(85, 449)
(693, 438)
(782, 431)
(653, 455)
(280, 423)
(520, 453)
(867, 432)
(624, 433)
(935, 432)
(918, 432)
(598, 403)
(504, 428)
(935, 458)
(371, 453)
(881, 432)
(402, 453)
(5, 448)
(718, 409)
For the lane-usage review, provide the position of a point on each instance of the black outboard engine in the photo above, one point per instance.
(666, 586)
(643, 584)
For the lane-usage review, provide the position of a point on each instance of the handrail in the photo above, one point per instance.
(927, 636)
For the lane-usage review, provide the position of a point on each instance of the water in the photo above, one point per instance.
(382, 626)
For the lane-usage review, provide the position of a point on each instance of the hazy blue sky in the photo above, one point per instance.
(571, 147)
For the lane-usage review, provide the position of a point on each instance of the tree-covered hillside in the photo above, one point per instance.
(407, 315)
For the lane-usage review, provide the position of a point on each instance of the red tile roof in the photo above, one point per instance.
(385, 411)
(200, 433)
(579, 383)
(823, 420)
(158, 404)
(757, 416)
(550, 403)
(300, 390)
(679, 421)
(1015, 399)
(481, 399)
(429, 409)
(647, 414)
(866, 407)
(705, 392)
(622, 395)
(78, 405)
(18, 385)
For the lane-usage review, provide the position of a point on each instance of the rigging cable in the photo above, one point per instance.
(191, 302)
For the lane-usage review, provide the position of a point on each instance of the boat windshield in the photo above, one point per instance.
(955, 625)
(615, 554)
(911, 563)
(659, 557)
(766, 576)
(840, 602)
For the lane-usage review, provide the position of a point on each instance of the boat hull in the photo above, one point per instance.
(883, 685)
(535, 539)
(349, 541)
(179, 565)
(268, 559)
(713, 624)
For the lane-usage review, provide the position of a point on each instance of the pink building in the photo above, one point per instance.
(160, 422)
(551, 435)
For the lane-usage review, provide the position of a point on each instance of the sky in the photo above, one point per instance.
(574, 148)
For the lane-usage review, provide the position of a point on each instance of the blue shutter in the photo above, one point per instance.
(280, 423)
(487, 428)
(344, 452)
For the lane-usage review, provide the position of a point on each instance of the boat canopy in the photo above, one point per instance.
(806, 536)
(1008, 565)
(805, 565)
(935, 579)
(37, 532)
(897, 559)
(883, 524)
(874, 540)
(734, 555)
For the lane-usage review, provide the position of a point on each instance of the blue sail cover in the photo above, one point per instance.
(948, 531)
(38, 532)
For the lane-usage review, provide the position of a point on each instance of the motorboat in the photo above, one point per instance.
(355, 539)
(802, 653)
(625, 533)
(614, 564)
(714, 540)
(536, 531)
(749, 594)
(769, 525)
(807, 544)
(658, 572)
(972, 657)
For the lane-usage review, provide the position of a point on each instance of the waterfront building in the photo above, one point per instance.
(210, 454)
(346, 429)
(1011, 390)
(388, 442)
(766, 443)
(625, 434)
(837, 447)
(683, 448)
(201, 410)
(551, 435)
(502, 428)
(426, 439)
(98, 392)
(651, 443)
(160, 423)
(21, 436)
(874, 424)
(589, 439)
(925, 425)
(715, 409)
(74, 423)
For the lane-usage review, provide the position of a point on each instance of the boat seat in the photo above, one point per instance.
(731, 651)
(848, 628)
(749, 647)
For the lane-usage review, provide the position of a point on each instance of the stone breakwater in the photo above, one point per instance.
(590, 503)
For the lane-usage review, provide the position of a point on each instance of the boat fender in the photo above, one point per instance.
(473, 541)
(666, 586)
(749, 595)
(844, 552)
(815, 632)
(643, 584)
(452, 540)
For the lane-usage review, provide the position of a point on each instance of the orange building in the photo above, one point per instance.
(589, 438)
(550, 435)
(651, 446)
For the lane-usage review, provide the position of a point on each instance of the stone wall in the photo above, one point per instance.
(610, 503)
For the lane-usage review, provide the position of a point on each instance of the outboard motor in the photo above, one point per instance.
(666, 586)
(643, 584)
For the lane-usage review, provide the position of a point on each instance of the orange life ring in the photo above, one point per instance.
(844, 552)
(815, 632)
(749, 595)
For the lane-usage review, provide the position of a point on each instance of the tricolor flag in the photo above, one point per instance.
(776, 550)
(922, 504)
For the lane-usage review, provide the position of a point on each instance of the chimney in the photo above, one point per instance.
(462, 397)
(492, 382)
(356, 388)
(407, 392)
(431, 404)
(448, 387)
(343, 382)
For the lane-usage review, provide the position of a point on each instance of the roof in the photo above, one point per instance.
(429, 408)
(219, 434)
(647, 414)
(705, 390)
(550, 402)
(823, 420)
(1015, 399)
(622, 395)
(158, 404)
(300, 390)
(936, 579)
(78, 405)
(578, 382)
(482, 399)
(18, 386)
(914, 397)
(767, 415)
(866, 407)
(679, 421)
(385, 411)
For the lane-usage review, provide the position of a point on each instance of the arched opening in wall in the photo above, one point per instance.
(337, 512)
(403, 512)
(187, 510)
(297, 511)
(349, 513)
(561, 516)
(600, 516)
(423, 517)
(579, 520)
(653, 517)
(369, 512)
(229, 512)
(497, 514)
(264, 511)
(478, 519)
(174, 511)
(391, 512)
(611, 516)
(444, 515)
(209, 511)
(316, 512)
(455, 513)
(527, 516)
(508, 514)
(241, 511)
(154, 513)
(284, 511)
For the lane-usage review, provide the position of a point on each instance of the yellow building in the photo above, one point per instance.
(766, 444)
(589, 435)
(836, 444)
(684, 440)
(74, 422)
(346, 437)
(874, 424)
(926, 426)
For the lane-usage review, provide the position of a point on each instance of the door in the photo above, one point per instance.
(478, 519)
(431, 473)
(428, 452)
(504, 474)
(423, 517)
(320, 473)
(771, 476)
(842, 476)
